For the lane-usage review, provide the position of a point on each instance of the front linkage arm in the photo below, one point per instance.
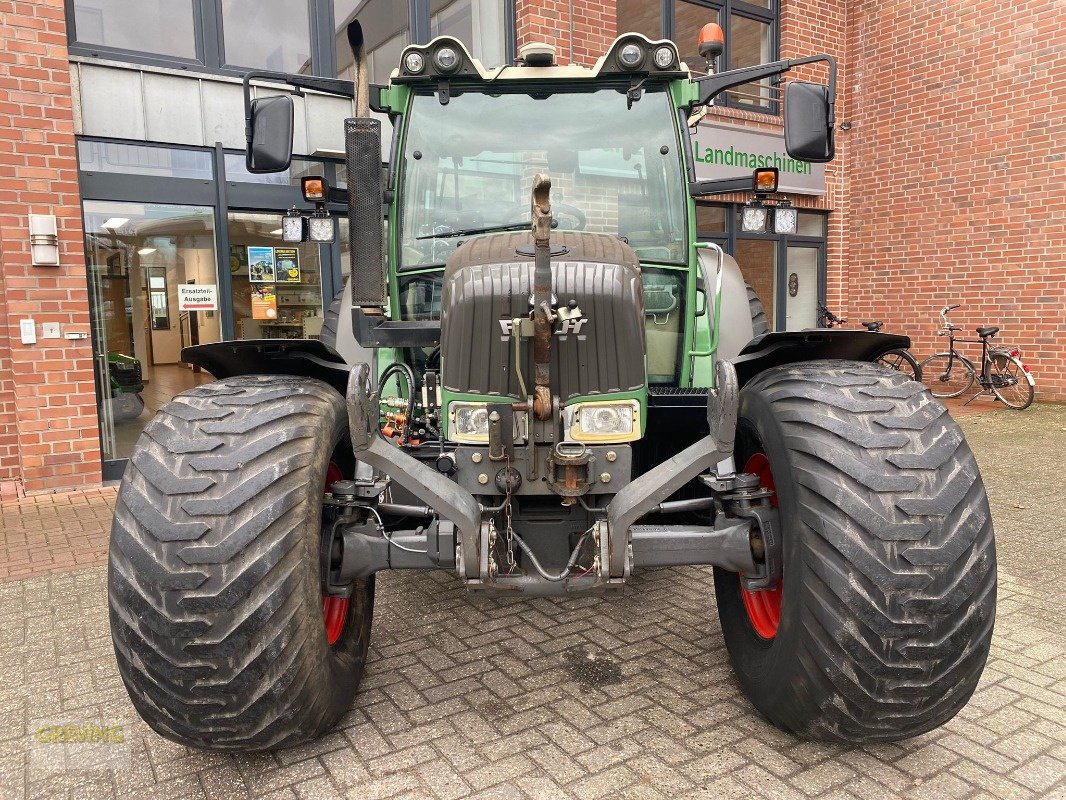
(446, 497)
(745, 517)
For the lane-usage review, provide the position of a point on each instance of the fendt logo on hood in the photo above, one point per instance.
(566, 326)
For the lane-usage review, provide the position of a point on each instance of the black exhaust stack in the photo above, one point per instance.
(366, 227)
(362, 144)
(366, 224)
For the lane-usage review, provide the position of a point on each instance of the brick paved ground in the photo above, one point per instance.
(631, 697)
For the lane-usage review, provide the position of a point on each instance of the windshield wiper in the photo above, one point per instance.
(513, 226)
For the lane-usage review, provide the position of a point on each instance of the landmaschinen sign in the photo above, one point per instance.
(729, 151)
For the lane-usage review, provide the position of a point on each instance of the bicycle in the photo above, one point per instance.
(1002, 373)
(899, 360)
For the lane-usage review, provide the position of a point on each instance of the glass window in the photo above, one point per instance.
(138, 255)
(615, 169)
(688, 19)
(710, 218)
(386, 32)
(277, 286)
(132, 159)
(163, 27)
(749, 40)
(810, 223)
(757, 259)
(237, 171)
(640, 16)
(479, 24)
(749, 44)
(267, 34)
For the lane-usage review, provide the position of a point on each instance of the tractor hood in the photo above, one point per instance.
(598, 341)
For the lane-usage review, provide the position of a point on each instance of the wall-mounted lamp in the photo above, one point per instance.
(44, 240)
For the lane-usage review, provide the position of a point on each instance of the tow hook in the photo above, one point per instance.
(575, 461)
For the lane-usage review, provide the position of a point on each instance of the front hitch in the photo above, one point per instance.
(444, 496)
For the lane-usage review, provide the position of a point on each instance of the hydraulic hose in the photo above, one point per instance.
(398, 367)
(562, 576)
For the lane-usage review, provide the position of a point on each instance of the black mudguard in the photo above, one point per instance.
(305, 358)
(789, 347)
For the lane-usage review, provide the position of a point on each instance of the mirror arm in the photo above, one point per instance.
(722, 186)
(325, 85)
(710, 86)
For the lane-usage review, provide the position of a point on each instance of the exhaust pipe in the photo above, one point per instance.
(362, 75)
(366, 226)
(543, 315)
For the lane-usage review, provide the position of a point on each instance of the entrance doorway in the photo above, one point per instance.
(139, 257)
(787, 271)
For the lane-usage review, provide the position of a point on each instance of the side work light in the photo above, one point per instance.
(322, 227)
(753, 218)
(293, 226)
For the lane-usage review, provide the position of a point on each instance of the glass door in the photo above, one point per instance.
(277, 286)
(142, 260)
(802, 285)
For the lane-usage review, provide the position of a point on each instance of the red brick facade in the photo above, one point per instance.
(957, 174)
(948, 187)
(579, 39)
(48, 429)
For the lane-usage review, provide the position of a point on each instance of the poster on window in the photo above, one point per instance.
(264, 302)
(261, 265)
(287, 264)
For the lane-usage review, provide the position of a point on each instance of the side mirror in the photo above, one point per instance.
(809, 122)
(270, 126)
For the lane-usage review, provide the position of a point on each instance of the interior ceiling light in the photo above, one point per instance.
(114, 223)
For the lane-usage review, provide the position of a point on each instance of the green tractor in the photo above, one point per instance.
(125, 382)
(540, 381)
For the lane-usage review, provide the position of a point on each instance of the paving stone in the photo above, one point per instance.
(471, 697)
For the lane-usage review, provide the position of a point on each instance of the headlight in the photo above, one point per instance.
(469, 422)
(753, 219)
(611, 421)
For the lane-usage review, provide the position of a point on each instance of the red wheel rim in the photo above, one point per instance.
(334, 609)
(335, 612)
(764, 608)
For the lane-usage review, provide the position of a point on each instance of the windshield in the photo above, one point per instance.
(614, 167)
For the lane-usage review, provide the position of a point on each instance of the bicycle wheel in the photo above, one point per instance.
(1011, 381)
(947, 375)
(902, 361)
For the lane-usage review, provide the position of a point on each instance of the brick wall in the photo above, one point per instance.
(957, 172)
(593, 22)
(48, 427)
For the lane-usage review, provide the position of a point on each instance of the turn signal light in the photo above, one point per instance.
(765, 180)
(315, 190)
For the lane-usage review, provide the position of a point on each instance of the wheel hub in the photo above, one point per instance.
(763, 607)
